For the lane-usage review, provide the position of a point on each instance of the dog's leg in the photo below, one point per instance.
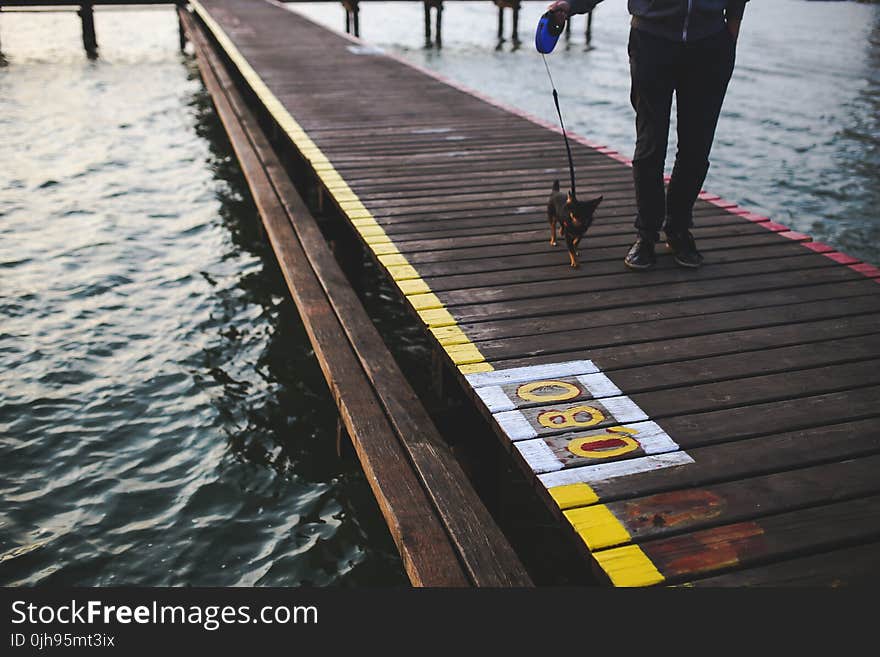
(551, 218)
(572, 253)
(577, 244)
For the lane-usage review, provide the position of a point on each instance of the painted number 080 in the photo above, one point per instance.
(573, 417)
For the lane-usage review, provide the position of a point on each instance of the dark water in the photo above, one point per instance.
(799, 137)
(162, 418)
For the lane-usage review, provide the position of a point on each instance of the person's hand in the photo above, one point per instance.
(561, 10)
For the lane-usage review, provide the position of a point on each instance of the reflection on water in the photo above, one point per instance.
(799, 138)
(163, 419)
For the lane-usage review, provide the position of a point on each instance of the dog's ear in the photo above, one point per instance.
(593, 203)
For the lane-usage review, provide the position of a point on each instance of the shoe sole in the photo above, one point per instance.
(639, 267)
(688, 265)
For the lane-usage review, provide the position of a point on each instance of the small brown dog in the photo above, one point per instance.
(574, 218)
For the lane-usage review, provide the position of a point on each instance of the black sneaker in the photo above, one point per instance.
(684, 249)
(641, 255)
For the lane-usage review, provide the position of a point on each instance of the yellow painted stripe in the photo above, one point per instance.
(368, 229)
(377, 237)
(428, 305)
(393, 259)
(573, 495)
(426, 302)
(475, 368)
(449, 335)
(413, 286)
(386, 248)
(628, 566)
(597, 526)
(463, 354)
(403, 272)
(437, 317)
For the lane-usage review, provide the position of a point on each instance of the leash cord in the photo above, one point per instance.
(559, 113)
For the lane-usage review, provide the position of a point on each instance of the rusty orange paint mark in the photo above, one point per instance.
(706, 551)
(673, 510)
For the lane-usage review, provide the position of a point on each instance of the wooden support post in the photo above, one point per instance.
(90, 42)
(514, 32)
(356, 14)
(181, 33)
(347, 18)
(427, 24)
(437, 26)
(500, 23)
(568, 29)
(589, 34)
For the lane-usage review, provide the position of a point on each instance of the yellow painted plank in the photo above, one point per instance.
(370, 230)
(377, 238)
(463, 354)
(628, 566)
(413, 286)
(424, 301)
(597, 526)
(573, 495)
(403, 272)
(437, 317)
(475, 368)
(384, 248)
(392, 259)
(449, 335)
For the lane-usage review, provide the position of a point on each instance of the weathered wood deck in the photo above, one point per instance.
(710, 427)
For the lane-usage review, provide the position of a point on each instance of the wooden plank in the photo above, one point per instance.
(484, 550)
(752, 457)
(729, 425)
(740, 545)
(774, 309)
(606, 300)
(854, 566)
(676, 512)
(427, 554)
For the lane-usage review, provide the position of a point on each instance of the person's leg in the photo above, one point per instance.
(705, 72)
(653, 63)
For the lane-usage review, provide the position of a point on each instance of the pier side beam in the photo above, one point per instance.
(90, 41)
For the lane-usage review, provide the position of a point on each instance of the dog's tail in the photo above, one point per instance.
(556, 185)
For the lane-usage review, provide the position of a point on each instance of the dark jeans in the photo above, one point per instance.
(698, 73)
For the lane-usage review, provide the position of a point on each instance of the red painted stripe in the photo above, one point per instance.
(868, 270)
(794, 235)
(842, 258)
(776, 228)
(819, 247)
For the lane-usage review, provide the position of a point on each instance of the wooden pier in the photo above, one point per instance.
(702, 428)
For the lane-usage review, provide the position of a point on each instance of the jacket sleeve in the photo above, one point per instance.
(583, 6)
(735, 10)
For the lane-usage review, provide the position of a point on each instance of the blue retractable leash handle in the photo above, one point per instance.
(548, 33)
(546, 37)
